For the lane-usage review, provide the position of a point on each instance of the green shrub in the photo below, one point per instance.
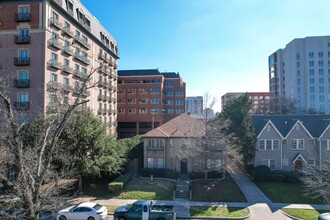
(196, 175)
(160, 173)
(250, 169)
(119, 182)
(277, 177)
(292, 177)
(261, 173)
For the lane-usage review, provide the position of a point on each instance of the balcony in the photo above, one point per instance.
(54, 64)
(53, 86)
(67, 88)
(68, 50)
(100, 83)
(19, 17)
(55, 23)
(101, 56)
(59, 2)
(67, 69)
(101, 111)
(21, 105)
(21, 39)
(55, 44)
(79, 74)
(22, 83)
(82, 42)
(21, 61)
(102, 70)
(81, 58)
(52, 108)
(67, 31)
(82, 22)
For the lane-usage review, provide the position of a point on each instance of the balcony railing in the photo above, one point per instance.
(19, 17)
(68, 50)
(77, 90)
(55, 23)
(101, 56)
(54, 64)
(100, 83)
(21, 105)
(22, 83)
(21, 61)
(55, 44)
(82, 22)
(82, 42)
(21, 39)
(102, 70)
(66, 88)
(83, 59)
(53, 85)
(67, 69)
(101, 111)
(59, 2)
(68, 31)
(79, 74)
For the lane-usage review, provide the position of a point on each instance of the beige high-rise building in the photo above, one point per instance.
(48, 48)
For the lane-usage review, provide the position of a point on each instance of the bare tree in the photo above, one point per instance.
(282, 105)
(32, 165)
(317, 182)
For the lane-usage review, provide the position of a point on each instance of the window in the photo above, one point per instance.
(150, 162)
(23, 53)
(23, 98)
(169, 111)
(23, 75)
(328, 144)
(143, 110)
(157, 144)
(169, 102)
(54, 56)
(131, 111)
(298, 64)
(130, 101)
(179, 102)
(312, 89)
(311, 71)
(321, 71)
(160, 162)
(270, 163)
(298, 144)
(121, 111)
(298, 56)
(179, 93)
(169, 93)
(65, 81)
(285, 161)
(154, 100)
(83, 71)
(143, 101)
(155, 90)
(311, 63)
(142, 91)
(179, 110)
(53, 77)
(311, 54)
(169, 84)
(121, 91)
(311, 80)
(320, 54)
(311, 162)
(269, 144)
(321, 80)
(131, 91)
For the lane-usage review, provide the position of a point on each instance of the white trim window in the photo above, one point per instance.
(269, 144)
(160, 162)
(150, 162)
(157, 144)
(311, 162)
(298, 144)
(285, 161)
(271, 163)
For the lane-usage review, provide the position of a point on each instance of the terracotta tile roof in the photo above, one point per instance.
(181, 126)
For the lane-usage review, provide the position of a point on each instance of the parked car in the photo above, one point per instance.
(83, 211)
(324, 216)
(144, 209)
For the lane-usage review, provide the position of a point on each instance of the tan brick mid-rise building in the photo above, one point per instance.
(147, 99)
(48, 47)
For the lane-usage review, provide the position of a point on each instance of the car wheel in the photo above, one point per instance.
(62, 217)
(91, 218)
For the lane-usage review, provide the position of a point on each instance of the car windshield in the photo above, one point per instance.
(97, 207)
(73, 207)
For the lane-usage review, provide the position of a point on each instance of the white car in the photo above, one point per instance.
(83, 211)
(324, 216)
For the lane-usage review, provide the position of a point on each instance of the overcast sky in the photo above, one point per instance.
(217, 46)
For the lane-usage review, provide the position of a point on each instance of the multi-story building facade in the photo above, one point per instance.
(147, 99)
(259, 101)
(194, 105)
(48, 49)
(300, 72)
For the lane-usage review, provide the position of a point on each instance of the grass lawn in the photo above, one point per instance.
(305, 214)
(287, 193)
(216, 211)
(217, 191)
(140, 189)
(135, 189)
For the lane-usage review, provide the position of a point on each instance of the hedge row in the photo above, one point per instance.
(263, 173)
(159, 173)
(210, 175)
(119, 182)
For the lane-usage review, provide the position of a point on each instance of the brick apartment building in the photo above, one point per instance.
(147, 99)
(48, 47)
(259, 101)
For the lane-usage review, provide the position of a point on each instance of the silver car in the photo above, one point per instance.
(83, 211)
(324, 216)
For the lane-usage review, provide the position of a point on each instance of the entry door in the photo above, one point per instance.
(184, 166)
(298, 166)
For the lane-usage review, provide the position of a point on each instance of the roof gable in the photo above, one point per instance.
(269, 123)
(181, 126)
(299, 123)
